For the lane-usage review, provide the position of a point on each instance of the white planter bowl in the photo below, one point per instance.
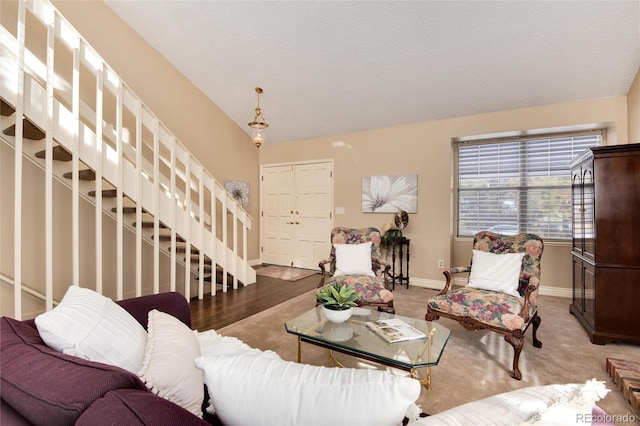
(337, 316)
(337, 332)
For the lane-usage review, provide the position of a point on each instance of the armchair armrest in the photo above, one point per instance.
(323, 271)
(448, 273)
(533, 285)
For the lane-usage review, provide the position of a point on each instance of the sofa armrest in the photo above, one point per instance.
(172, 303)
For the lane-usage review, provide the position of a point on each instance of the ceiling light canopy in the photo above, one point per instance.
(258, 125)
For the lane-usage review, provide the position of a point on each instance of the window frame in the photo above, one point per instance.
(519, 137)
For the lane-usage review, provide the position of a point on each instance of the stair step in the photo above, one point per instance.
(195, 258)
(86, 174)
(59, 154)
(126, 210)
(168, 238)
(183, 249)
(149, 224)
(6, 109)
(29, 130)
(106, 193)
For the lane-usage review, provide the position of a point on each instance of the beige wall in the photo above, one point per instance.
(633, 108)
(222, 147)
(425, 148)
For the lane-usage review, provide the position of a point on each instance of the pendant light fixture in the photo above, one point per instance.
(258, 125)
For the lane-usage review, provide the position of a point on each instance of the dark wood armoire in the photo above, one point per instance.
(606, 242)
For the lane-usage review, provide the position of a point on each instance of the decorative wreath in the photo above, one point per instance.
(401, 219)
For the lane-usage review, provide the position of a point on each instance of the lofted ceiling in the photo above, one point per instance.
(331, 67)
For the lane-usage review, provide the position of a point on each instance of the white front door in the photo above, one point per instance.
(296, 218)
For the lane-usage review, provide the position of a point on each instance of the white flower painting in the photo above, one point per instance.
(388, 194)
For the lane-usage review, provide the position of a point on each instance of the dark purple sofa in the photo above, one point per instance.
(41, 386)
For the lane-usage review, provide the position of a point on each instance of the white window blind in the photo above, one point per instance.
(518, 185)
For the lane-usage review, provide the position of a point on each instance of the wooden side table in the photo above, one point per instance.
(402, 247)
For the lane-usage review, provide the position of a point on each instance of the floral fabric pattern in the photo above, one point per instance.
(369, 289)
(494, 308)
(489, 307)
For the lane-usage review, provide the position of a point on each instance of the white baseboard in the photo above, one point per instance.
(439, 285)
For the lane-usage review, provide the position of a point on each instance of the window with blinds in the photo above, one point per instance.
(518, 185)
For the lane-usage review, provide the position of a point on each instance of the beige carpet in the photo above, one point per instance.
(475, 364)
(284, 272)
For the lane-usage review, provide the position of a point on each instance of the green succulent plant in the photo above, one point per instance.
(336, 296)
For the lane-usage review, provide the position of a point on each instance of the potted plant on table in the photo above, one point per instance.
(337, 301)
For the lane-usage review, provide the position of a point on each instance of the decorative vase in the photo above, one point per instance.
(337, 316)
(337, 332)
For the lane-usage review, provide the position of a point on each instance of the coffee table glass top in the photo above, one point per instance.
(353, 335)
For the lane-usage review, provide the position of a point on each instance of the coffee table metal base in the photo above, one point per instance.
(426, 381)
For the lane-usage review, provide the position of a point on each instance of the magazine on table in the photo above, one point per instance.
(395, 330)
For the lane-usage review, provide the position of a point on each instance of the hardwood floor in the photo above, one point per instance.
(226, 308)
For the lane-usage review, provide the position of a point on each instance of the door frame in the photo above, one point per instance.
(294, 163)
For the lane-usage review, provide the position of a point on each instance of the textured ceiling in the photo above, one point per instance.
(330, 67)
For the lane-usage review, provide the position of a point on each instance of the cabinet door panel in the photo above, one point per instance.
(588, 215)
(618, 292)
(576, 195)
(578, 287)
(589, 285)
(618, 210)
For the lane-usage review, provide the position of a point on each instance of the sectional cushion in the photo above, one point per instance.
(136, 408)
(49, 387)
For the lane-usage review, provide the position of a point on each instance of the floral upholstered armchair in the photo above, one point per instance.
(501, 295)
(356, 260)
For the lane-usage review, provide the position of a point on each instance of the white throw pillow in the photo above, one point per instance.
(517, 407)
(213, 344)
(168, 368)
(91, 326)
(496, 272)
(288, 393)
(353, 259)
(575, 408)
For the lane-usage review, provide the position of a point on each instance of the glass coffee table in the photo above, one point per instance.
(354, 338)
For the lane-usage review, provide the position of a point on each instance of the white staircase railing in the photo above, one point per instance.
(65, 90)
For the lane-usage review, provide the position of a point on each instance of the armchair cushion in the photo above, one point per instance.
(488, 307)
(353, 259)
(496, 272)
(370, 289)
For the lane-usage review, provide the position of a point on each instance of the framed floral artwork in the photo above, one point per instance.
(239, 190)
(389, 194)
